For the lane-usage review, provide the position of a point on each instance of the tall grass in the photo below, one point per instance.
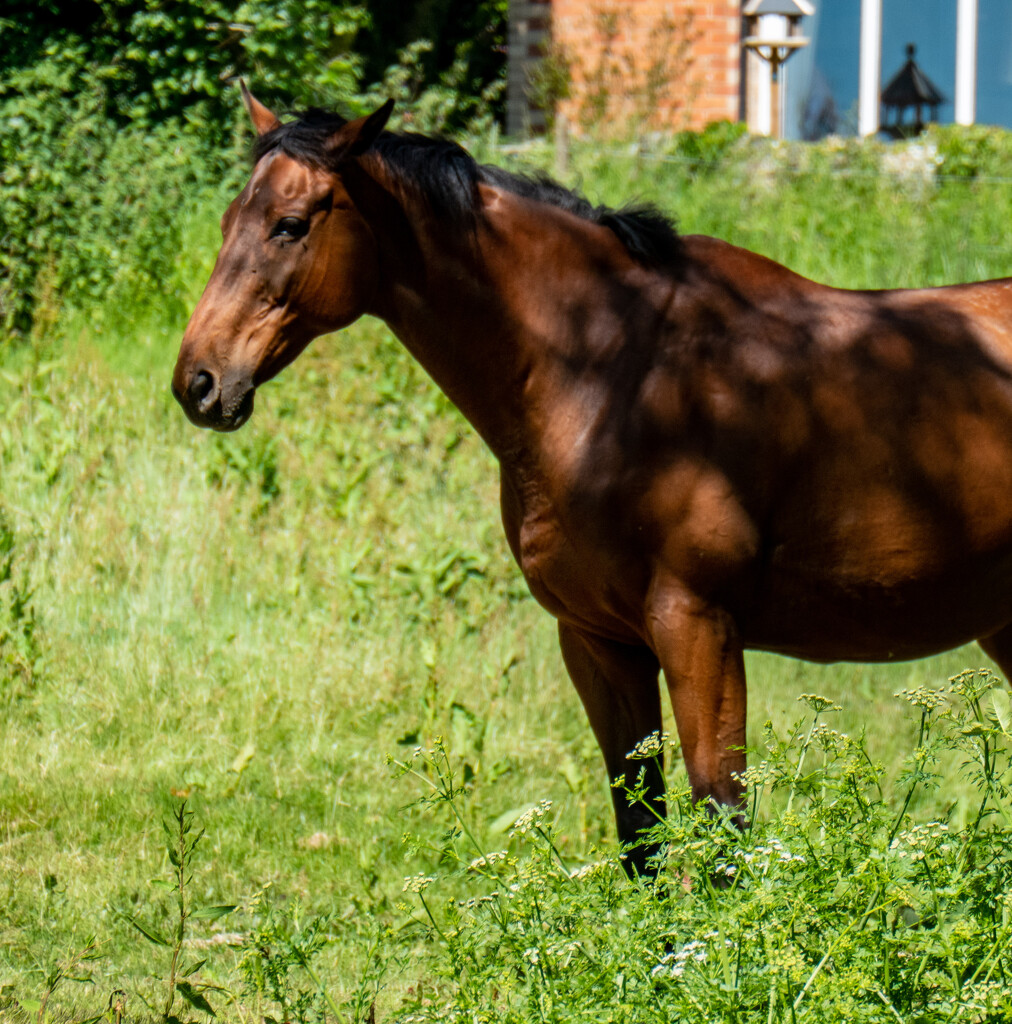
(834, 904)
(253, 623)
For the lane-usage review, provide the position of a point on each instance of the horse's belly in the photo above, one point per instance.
(820, 617)
(875, 561)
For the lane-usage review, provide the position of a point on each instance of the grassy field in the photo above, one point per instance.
(254, 622)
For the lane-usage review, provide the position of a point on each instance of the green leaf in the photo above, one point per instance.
(211, 913)
(505, 820)
(149, 934)
(243, 758)
(192, 969)
(1002, 704)
(194, 998)
(569, 771)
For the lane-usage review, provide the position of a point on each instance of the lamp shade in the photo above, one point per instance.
(785, 8)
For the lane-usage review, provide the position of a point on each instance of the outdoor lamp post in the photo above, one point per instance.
(773, 31)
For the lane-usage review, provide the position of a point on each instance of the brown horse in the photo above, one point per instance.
(700, 451)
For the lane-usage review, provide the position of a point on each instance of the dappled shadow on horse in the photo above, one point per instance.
(700, 451)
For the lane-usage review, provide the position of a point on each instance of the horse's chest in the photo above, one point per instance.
(546, 555)
(567, 568)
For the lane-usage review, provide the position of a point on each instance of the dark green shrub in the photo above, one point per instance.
(155, 60)
(972, 151)
(88, 207)
(705, 149)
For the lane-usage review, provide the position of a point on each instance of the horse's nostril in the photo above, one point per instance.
(202, 388)
(201, 385)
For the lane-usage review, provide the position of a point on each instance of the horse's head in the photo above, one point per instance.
(297, 260)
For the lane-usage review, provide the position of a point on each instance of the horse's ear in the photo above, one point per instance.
(263, 120)
(357, 136)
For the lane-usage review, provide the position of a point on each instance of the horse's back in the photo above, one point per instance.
(973, 314)
(868, 435)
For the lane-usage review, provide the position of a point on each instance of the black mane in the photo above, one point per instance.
(447, 178)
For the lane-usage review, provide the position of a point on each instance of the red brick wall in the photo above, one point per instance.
(661, 64)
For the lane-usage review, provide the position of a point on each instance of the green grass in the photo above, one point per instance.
(254, 622)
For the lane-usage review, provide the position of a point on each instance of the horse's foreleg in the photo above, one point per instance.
(618, 686)
(701, 654)
(998, 647)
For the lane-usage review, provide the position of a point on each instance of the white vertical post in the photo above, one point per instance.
(966, 62)
(760, 92)
(871, 67)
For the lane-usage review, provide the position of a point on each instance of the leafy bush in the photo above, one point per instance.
(87, 207)
(705, 149)
(465, 42)
(114, 117)
(424, 105)
(154, 61)
(972, 151)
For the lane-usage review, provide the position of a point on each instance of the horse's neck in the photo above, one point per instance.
(535, 289)
(453, 323)
(441, 293)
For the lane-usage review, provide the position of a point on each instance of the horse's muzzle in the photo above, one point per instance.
(210, 401)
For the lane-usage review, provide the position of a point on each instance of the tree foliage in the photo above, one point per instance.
(466, 46)
(114, 112)
(157, 58)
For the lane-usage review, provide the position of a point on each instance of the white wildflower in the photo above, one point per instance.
(477, 901)
(488, 860)
(586, 870)
(819, 703)
(755, 775)
(922, 697)
(417, 883)
(530, 819)
(649, 747)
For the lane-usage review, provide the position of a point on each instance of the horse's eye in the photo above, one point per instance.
(290, 227)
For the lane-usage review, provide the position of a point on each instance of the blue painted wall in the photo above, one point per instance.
(994, 63)
(822, 80)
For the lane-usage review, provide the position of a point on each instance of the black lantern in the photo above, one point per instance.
(909, 90)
